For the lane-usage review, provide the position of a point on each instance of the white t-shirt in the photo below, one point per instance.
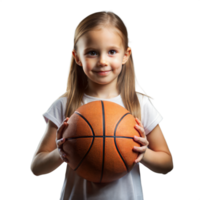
(126, 188)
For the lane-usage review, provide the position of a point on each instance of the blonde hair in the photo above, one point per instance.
(77, 80)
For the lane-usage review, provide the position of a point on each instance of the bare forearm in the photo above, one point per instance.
(46, 162)
(159, 162)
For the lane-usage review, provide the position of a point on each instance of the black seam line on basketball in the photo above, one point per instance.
(104, 138)
(99, 136)
(116, 143)
(91, 143)
(103, 115)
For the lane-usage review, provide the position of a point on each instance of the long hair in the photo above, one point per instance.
(77, 80)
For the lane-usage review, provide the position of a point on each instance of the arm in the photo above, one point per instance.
(159, 162)
(47, 158)
(45, 162)
(157, 157)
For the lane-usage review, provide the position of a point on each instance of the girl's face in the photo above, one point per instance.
(101, 50)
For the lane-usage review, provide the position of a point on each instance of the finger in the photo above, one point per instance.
(64, 159)
(139, 158)
(60, 142)
(60, 130)
(61, 126)
(140, 149)
(138, 122)
(141, 140)
(62, 153)
(140, 130)
(66, 119)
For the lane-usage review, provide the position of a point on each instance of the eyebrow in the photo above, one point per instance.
(92, 48)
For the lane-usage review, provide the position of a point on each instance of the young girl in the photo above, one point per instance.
(102, 69)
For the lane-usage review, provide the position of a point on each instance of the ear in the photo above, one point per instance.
(126, 55)
(77, 60)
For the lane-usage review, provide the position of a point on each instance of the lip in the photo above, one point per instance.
(102, 72)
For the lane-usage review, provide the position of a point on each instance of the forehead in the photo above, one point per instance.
(100, 38)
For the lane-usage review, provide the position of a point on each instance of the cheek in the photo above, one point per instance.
(88, 64)
(118, 70)
(116, 64)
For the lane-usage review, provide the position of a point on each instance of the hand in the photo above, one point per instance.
(60, 140)
(142, 140)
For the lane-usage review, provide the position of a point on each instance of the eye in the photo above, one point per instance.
(95, 52)
(113, 50)
(90, 52)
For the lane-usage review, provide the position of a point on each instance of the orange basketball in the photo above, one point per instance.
(100, 141)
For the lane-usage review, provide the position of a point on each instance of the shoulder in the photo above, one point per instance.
(59, 103)
(56, 112)
(150, 114)
(143, 99)
(147, 104)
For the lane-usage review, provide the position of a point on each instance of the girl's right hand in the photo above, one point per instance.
(60, 140)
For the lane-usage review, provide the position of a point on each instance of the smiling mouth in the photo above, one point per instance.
(103, 71)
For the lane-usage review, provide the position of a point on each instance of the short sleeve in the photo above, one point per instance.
(150, 116)
(56, 112)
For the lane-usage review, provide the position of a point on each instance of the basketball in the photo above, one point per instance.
(99, 141)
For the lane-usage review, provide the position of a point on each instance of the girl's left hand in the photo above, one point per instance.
(142, 140)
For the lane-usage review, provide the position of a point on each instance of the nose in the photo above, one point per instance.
(102, 60)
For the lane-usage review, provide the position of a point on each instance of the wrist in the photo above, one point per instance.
(143, 160)
(157, 161)
(57, 154)
(46, 162)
